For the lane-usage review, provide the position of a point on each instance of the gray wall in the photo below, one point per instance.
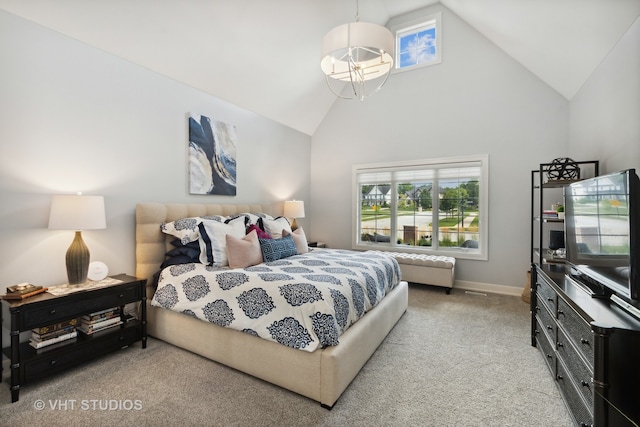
(605, 113)
(75, 118)
(477, 101)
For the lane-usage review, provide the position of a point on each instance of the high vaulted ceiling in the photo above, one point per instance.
(263, 55)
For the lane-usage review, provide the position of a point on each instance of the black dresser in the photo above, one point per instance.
(591, 346)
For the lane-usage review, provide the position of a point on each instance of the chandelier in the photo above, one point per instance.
(360, 54)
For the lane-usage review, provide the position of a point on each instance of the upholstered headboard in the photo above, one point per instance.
(152, 244)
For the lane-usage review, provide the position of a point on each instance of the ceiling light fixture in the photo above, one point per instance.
(359, 53)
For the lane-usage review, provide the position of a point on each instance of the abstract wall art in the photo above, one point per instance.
(212, 156)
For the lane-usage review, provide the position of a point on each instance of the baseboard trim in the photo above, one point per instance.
(488, 288)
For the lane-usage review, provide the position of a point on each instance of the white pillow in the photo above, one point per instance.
(275, 226)
(213, 242)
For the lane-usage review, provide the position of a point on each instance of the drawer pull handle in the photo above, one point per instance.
(53, 362)
(559, 377)
(560, 313)
(549, 327)
(550, 299)
(549, 356)
(559, 344)
(585, 384)
(121, 296)
(52, 312)
(584, 341)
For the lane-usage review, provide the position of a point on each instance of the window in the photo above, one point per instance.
(434, 206)
(418, 43)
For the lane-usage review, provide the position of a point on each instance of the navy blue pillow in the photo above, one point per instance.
(187, 251)
(275, 249)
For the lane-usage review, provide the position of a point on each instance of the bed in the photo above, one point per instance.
(321, 375)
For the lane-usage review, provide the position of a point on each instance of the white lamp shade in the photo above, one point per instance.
(71, 212)
(371, 46)
(294, 209)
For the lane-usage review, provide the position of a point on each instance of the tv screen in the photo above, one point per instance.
(601, 230)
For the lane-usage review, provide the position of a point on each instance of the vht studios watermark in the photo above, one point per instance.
(88, 405)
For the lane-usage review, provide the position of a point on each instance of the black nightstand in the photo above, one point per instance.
(29, 364)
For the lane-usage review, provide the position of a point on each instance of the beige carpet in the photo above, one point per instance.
(452, 360)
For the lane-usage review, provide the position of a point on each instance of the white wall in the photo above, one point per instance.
(74, 118)
(604, 114)
(477, 101)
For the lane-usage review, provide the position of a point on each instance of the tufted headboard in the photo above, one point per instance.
(152, 244)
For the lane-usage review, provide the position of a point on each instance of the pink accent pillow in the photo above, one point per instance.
(244, 252)
(261, 233)
(299, 239)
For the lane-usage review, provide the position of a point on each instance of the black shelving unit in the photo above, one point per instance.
(545, 190)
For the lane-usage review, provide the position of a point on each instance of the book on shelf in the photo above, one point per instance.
(60, 338)
(103, 328)
(53, 334)
(91, 327)
(101, 315)
(54, 327)
(56, 345)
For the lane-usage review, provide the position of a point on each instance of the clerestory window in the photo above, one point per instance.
(418, 43)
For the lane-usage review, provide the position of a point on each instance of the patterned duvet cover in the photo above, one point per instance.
(305, 301)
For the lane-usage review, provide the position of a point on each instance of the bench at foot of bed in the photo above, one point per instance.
(427, 269)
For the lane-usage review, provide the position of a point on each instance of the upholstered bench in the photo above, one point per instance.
(426, 269)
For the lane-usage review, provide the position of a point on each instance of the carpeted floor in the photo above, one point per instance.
(452, 360)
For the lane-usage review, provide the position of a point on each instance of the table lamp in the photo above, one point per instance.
(77, 212)
(294, 209)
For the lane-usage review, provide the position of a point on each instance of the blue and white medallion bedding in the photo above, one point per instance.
(305, 301)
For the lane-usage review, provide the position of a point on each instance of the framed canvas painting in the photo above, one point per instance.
(212, 156)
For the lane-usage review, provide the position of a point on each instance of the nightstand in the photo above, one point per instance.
(316, 244)
(29, 364)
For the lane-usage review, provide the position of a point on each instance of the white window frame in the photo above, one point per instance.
(413, 26)
(481, 161)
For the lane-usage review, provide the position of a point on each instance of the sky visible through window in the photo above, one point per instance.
(418, 47)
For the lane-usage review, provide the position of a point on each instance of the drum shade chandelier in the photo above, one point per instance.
(360, 54)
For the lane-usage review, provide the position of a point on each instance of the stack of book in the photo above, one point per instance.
(549, 214)
(46, 336)
(22, 291)
(100, 320)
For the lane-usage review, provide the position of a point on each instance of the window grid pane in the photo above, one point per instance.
(417, 45)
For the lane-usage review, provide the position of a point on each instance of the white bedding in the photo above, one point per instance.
(305, 301)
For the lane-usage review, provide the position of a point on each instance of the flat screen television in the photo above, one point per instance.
(602, 233)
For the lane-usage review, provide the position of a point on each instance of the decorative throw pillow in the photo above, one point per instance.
(187, 250)
(299, 239)
(213, 243)
(275, 249)
(261, 233)
(275, 226)
(243, 252)
(186, 229)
